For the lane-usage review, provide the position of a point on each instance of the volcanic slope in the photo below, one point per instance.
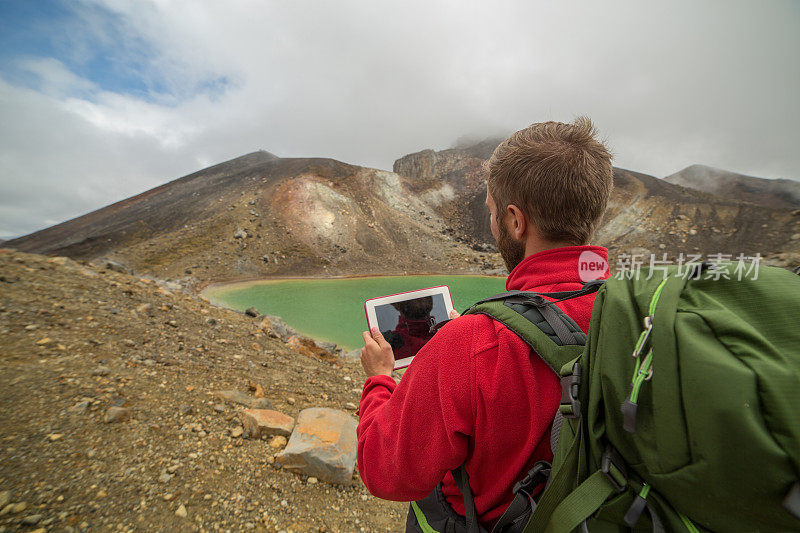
(77, 340)
(260, 215)
(645, 215)
(773, 193)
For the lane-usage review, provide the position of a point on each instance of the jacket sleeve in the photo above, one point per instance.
(410, 435)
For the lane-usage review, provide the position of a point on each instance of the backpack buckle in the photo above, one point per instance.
(570, 388)
(535, 477)
(613, 467)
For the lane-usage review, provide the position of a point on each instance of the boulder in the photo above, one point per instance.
(496, 272)
(278, 441)
(251, 311)
(242, 398)
(80, 407)
(58, 260)
(784, 260)
(31, 520)
(355, 355)
(327, 346)
(323, 445)
(259, 422)
(116, 266)
(307, 346)
(116, 414)
(145, 309)
(276, 327)
(101, 371)
(256, 389)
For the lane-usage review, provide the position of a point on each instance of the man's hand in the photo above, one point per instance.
(377, 356)
(454, 314)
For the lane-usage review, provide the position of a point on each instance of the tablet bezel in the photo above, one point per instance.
(372, 319)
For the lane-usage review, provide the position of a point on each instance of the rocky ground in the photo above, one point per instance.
(81, 345)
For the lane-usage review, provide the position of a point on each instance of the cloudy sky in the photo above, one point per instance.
(102, 99)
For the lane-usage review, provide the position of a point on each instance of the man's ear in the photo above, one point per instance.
(516, 222)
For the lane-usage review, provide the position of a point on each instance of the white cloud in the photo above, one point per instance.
(122, 115)
(55, 79)
(366, 82)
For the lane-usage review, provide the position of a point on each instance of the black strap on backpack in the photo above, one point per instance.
(523, 491)
(462, 482)
(588, 288)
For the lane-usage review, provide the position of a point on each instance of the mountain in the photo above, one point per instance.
(259, 215)
(773, 193)
(454, 182)
(264, 216)
(646, 215)
(654, 215)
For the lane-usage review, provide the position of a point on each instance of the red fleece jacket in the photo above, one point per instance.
(474, 394)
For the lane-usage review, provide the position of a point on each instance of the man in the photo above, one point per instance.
(476, 394)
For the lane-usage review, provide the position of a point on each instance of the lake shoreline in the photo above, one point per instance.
(201, 287)
(342, 297)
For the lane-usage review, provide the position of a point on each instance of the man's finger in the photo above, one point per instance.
(454, 314)
(368, 340)
(378, 336)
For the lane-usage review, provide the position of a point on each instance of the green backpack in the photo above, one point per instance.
(681, 413)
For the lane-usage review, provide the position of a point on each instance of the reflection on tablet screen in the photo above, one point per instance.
(409, 324)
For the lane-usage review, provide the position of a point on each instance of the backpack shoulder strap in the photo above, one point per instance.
(554, 336)
(588, 288)
(540, 323)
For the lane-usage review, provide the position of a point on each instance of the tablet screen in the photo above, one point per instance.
(407, 325)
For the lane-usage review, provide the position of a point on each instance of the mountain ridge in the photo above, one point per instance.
(645, 215)
(256, 216)
(259, 215)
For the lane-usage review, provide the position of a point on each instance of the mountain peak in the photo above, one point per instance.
(253, 158)
(779, 193)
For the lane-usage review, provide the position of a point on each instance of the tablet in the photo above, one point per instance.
(408, 320)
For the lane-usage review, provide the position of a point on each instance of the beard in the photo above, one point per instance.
(512, 252)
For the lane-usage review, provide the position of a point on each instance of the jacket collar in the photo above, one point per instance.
(549, 267)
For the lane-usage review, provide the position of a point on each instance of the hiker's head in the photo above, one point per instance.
(558, 177)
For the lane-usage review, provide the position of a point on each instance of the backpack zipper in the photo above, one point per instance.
(643, 370)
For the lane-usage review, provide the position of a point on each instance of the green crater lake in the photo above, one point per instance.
(333, 309)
